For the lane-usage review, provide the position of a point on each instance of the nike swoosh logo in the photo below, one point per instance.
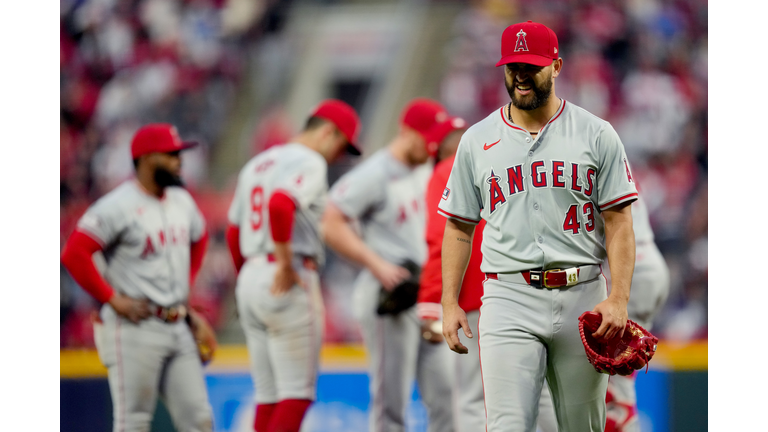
(486, 146)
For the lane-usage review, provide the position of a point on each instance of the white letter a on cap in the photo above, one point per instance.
(521, 44)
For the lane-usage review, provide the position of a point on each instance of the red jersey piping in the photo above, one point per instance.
(445, 213)
(618, 199)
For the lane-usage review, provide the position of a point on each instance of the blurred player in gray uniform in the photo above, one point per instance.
(153, 238)
(650, 289)
(386, 194)
(274, 238)
(539, 171)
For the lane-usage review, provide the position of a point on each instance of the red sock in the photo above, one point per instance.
(263, 416)
(288, 415)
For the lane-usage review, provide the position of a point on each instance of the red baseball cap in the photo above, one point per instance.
(344, 117)
(158, 137)
(425, 116)
(444, 129)
(528, 42)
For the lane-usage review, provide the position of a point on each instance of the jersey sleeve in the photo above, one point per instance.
(303, 181)
(358, 191)
(461, 200)
(103, 221)
(197, 224)
(236, 207)
(615, 184)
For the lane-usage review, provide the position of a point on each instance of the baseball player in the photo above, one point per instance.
(650, 288)
(153, 238)
(469, 406)
(553, 184)
(386, 194)
(274, 238)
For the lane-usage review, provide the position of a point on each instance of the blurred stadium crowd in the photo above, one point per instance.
(640, 64)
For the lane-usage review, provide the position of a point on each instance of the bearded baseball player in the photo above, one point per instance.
(650, 283)
(386, 194)
(469, 406)
(553, 184)
(274, 238)
(153, 238)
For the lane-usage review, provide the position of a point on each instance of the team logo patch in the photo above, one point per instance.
(494, 190)
(629, 174)
(446, 193)
(521, 44)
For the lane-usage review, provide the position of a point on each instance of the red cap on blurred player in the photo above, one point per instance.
(448, 126)
(158, 137)
(344, 117)
(528, 42)
(424, 116)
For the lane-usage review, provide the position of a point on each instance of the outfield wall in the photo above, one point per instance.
(672, 395)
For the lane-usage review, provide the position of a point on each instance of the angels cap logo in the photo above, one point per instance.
(521, 44)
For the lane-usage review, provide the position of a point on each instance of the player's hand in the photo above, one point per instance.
(388, 274)
(133, 309)
(431, 330)
(614, 312)
(285, 278)
(453, 319)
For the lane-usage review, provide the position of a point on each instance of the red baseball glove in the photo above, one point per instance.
(622, 355)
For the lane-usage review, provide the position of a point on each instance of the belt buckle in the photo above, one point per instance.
(173, 315)
(544, 278)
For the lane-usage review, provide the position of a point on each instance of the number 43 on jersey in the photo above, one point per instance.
(572, 221)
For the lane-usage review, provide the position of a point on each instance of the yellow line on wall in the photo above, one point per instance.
(85, 363)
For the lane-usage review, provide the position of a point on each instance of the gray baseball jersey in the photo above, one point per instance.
(540, 197)
(146, 240)
(641, 222)
(302, 174)
(388, 199)
(650, 289)
(146, 243)
(284, 334)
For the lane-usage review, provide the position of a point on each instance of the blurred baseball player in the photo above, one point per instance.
(274, 238)
(153, 238)
(650, 288)
(541, 172)
(386, 194)
(469, 406)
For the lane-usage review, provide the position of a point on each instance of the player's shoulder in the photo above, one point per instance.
(489, 128)
(180, 195)
(376, 164)
(301, 154)
(117, 201)
(583, 119)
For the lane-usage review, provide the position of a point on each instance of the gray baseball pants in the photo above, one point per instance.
(528, 334)
(397, 354)
(147, 359)
(284, 334)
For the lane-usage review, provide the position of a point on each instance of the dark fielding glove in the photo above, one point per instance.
(620, 356)
(402, 296)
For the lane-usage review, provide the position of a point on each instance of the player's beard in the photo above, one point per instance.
(538, 98)
(165, 178)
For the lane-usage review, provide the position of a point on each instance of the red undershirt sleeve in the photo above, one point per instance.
(281, 214)
(196, 255)
(233, 241)
(77, 257)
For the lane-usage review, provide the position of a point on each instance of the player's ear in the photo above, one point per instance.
(557, 66)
